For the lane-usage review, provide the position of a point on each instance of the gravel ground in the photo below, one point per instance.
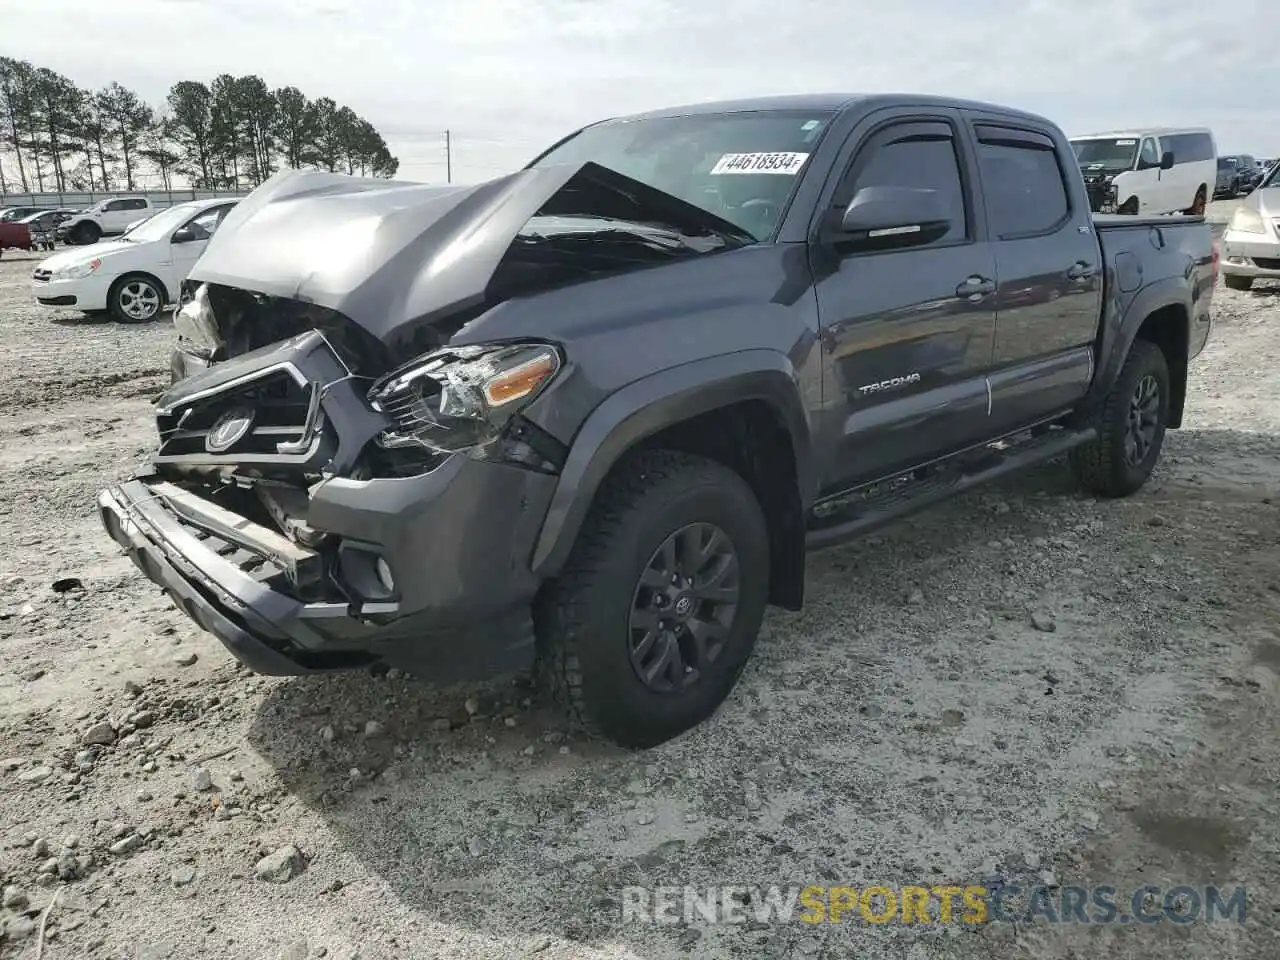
(1023, 681)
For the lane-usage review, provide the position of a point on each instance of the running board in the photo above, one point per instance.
(917, 494)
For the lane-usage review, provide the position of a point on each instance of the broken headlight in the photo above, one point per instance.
(460, 398)
(196, 326)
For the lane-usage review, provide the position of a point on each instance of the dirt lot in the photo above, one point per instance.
(1020, 682)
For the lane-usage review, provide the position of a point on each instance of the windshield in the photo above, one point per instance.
(1226, 163)
(160, 225)
(1106, 153)
(741, 167)
(1273, 179)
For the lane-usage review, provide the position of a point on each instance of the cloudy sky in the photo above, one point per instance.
(507, 77)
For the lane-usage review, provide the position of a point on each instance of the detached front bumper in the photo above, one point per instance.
(457, 541)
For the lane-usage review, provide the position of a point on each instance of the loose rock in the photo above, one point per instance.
(185, 658)
(201, 779)
(281, 866)
(1043, 622)
(14, 897)
(126, 844)
(101, 734)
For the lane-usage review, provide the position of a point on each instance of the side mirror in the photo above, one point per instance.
(184, 235)
(894, 216)
(1166, 160)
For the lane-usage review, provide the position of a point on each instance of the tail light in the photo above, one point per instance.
(1217, 256)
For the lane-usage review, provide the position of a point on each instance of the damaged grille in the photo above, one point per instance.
(1099, 192)
(41, 275)
(270, 424)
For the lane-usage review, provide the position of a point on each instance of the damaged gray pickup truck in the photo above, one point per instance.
(587, 417)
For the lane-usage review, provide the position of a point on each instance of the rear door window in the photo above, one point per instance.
(1023, 182)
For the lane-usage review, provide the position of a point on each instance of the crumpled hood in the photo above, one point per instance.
(390, 254)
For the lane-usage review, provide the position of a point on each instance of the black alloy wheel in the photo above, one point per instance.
(683, 607)
(1144, 419)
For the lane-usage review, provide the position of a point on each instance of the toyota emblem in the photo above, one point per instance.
(228, 430)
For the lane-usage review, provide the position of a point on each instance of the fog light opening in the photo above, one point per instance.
(383, 569)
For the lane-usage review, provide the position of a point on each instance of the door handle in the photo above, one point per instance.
(975, 288)
(1080, 270)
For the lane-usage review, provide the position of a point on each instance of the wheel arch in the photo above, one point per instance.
(741, 409)
(144, 275)
(1161, 314)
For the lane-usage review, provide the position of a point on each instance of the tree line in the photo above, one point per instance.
(231, 134)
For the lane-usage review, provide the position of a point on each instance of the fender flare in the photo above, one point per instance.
(646, 406)
(1117, 341)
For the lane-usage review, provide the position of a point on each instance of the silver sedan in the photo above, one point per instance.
(1251, 243)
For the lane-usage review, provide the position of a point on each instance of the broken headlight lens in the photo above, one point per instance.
(195, 325)
(460, 398)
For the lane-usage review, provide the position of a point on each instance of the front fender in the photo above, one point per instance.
(646, 406)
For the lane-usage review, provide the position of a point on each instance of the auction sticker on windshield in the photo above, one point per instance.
(784, 163)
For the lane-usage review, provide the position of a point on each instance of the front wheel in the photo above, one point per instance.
(135, 299)
(645, 632)
(1131, 424)
(86, 233)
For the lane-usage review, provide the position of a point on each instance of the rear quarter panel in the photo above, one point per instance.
(1152, 263)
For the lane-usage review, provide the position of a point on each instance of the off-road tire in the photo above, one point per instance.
(582, 617)
(1237, 283)
(1100, 465)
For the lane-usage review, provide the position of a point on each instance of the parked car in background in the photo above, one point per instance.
(1251, 242)
(43, 227)
(1247, 174)
(1227, 184)
(33, 232)
(9, 214)
(106, 218)
(1151, 171)
(133, 276)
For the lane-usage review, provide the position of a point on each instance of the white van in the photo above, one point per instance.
(1150, 171)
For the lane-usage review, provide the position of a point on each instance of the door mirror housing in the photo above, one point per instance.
(1166, 160)
(887, 217)
(184, 235)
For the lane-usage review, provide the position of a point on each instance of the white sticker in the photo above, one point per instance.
(1125, 143)
(784, 163)
(810, 125)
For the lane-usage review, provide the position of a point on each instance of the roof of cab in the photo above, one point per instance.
(830, 102)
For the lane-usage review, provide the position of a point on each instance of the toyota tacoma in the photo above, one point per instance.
(586, 418)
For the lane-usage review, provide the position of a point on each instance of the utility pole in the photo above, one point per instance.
(448, 159)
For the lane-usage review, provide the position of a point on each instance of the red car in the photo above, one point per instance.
(33, 232)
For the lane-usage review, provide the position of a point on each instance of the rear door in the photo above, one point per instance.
(1048, 260)
(907, 332)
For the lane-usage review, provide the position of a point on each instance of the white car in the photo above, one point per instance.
(135, 275)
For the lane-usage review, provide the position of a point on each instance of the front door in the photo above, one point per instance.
(908, 332)
(185, 254)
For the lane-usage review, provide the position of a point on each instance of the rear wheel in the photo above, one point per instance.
(649, 626)
(135, 299)
(1198, 204)
(1131, 424)
(1237, 283)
